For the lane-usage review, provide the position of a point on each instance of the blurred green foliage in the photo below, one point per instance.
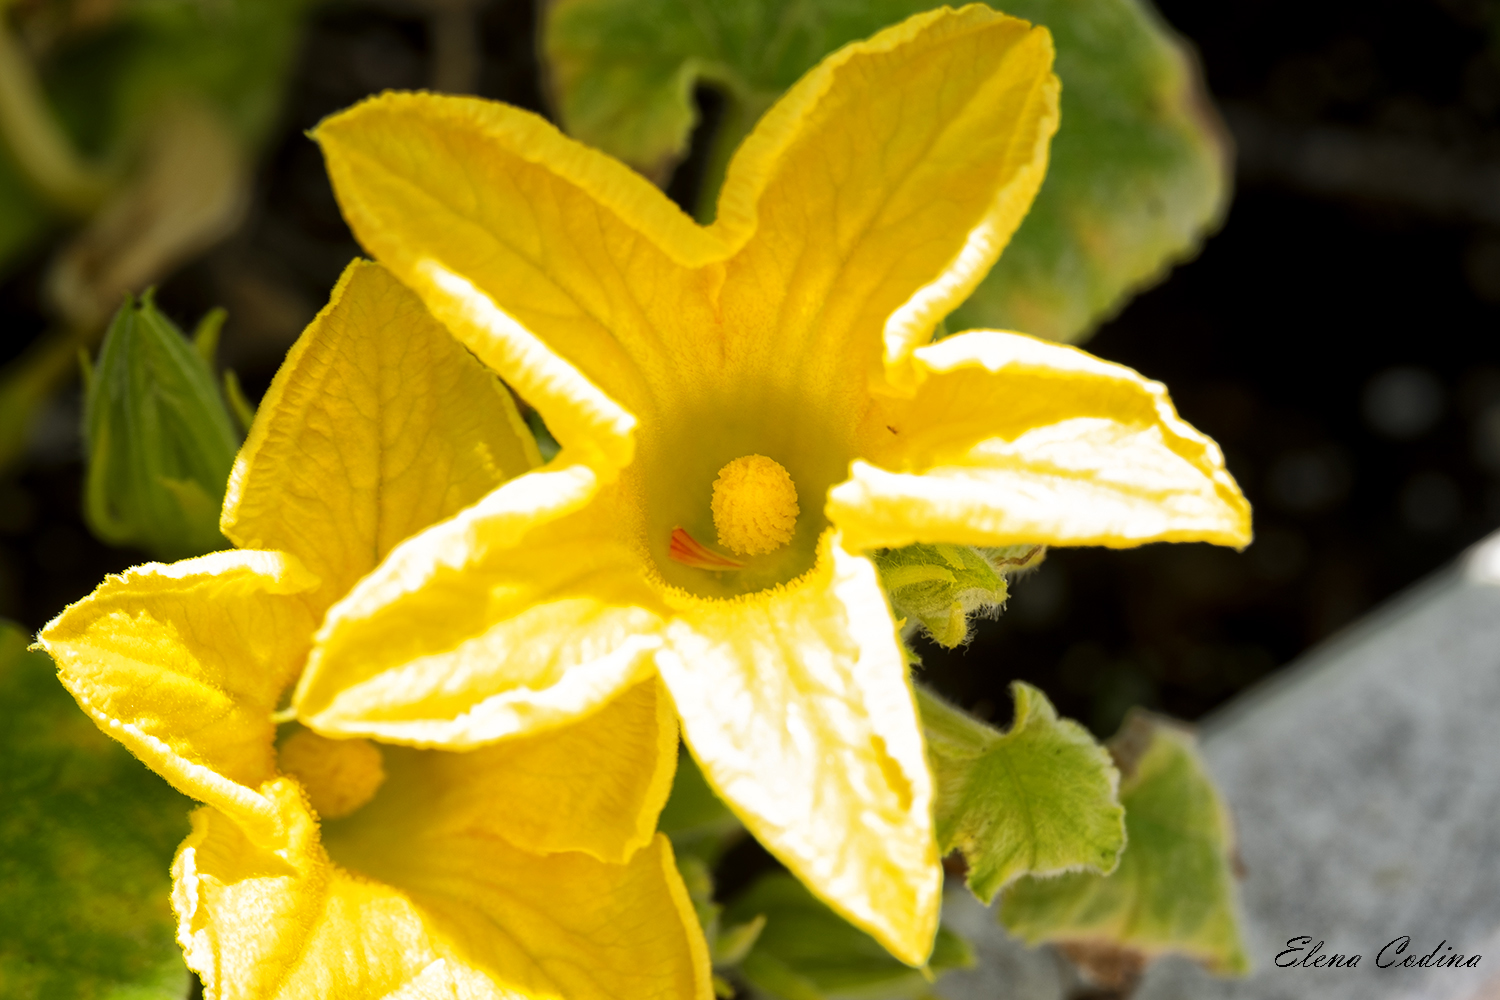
(106, 79)
(162, 105)
(808, 952)
(86, 842)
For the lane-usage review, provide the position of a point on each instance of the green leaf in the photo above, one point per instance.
(1174, 888)
(86, 842)
(1040, 799)
(1139, 169)
(808, 952)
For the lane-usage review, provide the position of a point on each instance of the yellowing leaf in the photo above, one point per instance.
(797, 706)
(1139, 167)
(1010, 440)
(185, 663)
(1141, 173)
(1039, 799)
(86, 838)
(1174, 888)
(378, 424)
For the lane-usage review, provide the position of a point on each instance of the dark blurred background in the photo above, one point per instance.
(1337, 337)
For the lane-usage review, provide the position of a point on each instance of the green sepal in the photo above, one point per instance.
(1040, 799)
(941, 587)
(206, 334)
(87, 835)
(808, 952)
(546, 444)
(159, 439)
(1174, 889)
(239, 403)
(1139, 170)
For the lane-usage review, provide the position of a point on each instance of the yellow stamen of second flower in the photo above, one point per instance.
(339, 775)
(755, 505)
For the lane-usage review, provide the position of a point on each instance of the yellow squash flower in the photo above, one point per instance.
(526, 869)
(745, 409)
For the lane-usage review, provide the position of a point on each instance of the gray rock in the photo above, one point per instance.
(1005, 969)
(1365, 784)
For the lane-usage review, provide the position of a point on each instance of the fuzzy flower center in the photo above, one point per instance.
(755, 505)
(339, 775)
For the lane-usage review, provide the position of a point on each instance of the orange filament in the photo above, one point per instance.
(690, 552)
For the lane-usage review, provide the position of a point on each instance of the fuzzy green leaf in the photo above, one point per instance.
(808, 952)
(86, 841)
(1139, 168)
(1174, 888)
(1040, 799)
(940, 586)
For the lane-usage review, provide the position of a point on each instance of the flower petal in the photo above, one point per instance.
(279, 920)
(1013, 440)
(378, 424)
(594, 786)
(184, 664)
(512, 923)
(797, 704)
(560, 267)
(519, 614)
(880, 188)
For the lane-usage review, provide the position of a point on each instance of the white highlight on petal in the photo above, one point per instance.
(581, 415)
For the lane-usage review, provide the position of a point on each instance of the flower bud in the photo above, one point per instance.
(941, 586)
(159, 440)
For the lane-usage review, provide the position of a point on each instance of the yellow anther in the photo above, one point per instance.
(755, 505)
(339, 775)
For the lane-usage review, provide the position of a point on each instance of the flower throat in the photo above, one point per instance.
(755, 513)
